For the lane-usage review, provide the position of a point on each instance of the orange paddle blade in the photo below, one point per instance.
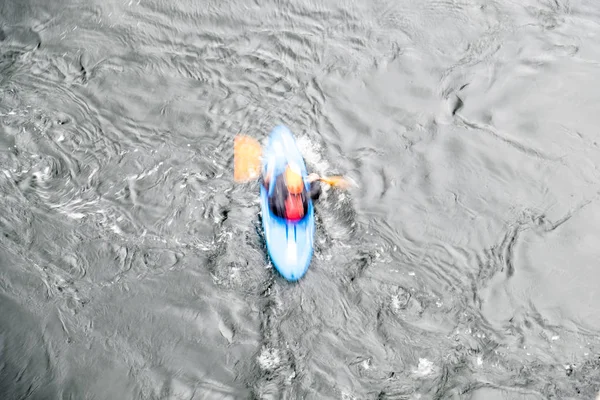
(337, 181)
(246, 158)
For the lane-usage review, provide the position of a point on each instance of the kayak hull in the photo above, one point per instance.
(289, 244)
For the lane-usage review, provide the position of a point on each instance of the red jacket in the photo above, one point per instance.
(294, 207)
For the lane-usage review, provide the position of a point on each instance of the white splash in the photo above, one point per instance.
(269, 359)
(424, 368)
(366, 364)
(311, 153)
(396, 303)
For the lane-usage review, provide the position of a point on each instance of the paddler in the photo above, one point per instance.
(289, 199)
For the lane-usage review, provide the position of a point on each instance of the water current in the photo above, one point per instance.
(464, 265)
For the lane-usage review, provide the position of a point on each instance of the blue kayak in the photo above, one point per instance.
(289, 244)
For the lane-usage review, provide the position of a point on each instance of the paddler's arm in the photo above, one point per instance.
(266, 179)
(315, 186)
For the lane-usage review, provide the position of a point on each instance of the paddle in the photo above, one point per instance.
(336, 181)
(246, 163)
(246, 158)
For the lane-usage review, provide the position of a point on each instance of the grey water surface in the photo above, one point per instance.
(464, 265)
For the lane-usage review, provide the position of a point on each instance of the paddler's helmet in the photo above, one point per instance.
(293, 180)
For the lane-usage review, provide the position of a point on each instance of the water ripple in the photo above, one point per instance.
(461, 266)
